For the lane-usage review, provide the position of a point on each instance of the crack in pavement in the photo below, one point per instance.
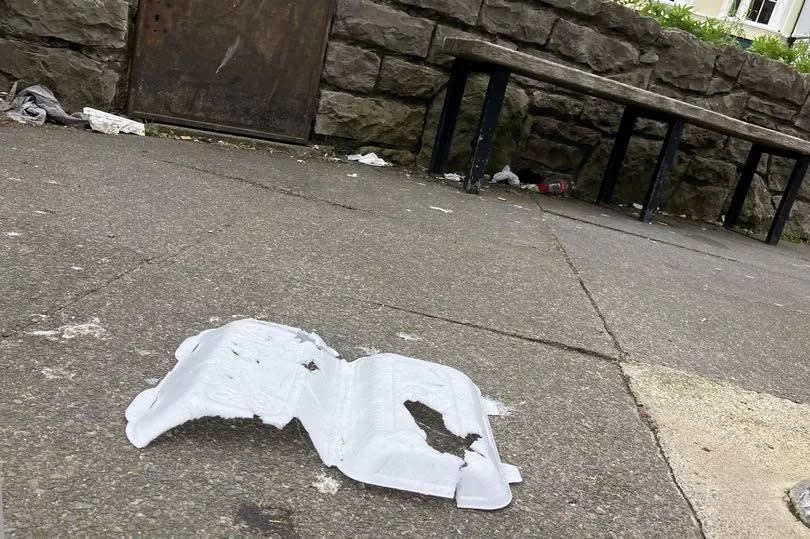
(651, 427)
(555, 344)
(272, 188)
(638, 235)
(149, 260)
(667, 242)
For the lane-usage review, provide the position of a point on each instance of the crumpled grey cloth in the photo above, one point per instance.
(36, 104)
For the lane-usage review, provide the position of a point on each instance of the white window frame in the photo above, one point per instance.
(780, 13)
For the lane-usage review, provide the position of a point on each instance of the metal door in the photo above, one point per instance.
(250, 67)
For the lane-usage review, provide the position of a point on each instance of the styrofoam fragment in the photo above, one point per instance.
(369, 159)
(110, 124)
(354, 412)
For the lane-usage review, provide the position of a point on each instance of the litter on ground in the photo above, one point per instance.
(358, 414)
(506, 176)
(453, 177)
(110, 124)
(441, 209)
(369, 159)
(36, 104)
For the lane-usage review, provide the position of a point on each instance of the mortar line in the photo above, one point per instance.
(651, 427)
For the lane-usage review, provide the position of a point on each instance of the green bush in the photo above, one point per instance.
(771, 46)
(675, 16)
(722, 31)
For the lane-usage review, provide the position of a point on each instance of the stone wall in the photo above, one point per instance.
(78, 48)
(383, 83)
(384, 77)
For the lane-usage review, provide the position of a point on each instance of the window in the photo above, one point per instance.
(761, 10)
(733, 8)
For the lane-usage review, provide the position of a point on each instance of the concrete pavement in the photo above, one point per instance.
(128, 245)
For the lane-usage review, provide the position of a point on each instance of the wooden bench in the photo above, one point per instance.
(499, 62)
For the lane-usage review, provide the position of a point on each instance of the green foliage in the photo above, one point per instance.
(722, 31)
(675, 16)
(771, 46)
(792, 238)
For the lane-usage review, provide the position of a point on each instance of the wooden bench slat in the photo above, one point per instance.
(574, 79)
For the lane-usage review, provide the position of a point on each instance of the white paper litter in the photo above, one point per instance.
(369, 159)
(354, 412)
(453, 177)
(441, 209)
(110, 124)
(637, 206)
(506, 175)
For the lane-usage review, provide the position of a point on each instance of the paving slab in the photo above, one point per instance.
(724, 319)
(712, 239)
(78, 210)
(734, 452)
(389, 239)
(590, 465)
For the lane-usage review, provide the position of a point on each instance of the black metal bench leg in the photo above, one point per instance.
(662, 169)
(748, 171)
(788, 197)
(490, 113)
(447, 120)
(614, 164)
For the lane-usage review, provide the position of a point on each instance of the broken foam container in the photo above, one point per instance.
(354, 412)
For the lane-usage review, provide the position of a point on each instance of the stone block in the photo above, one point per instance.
(581, 7)
(518, 20)
(410, 80)
(757, 211)
(384, 26)
(719, 85)
(587, 46)
(640, 78)
(648, 57)
(703, 141)
(601, 114)
(100, 23)
(770, 108)
(684, 61)
(565, 131)
(706, 171)
(774, 79)
(634, 177)
(757, 118)
(779, 169)
(350, 67)
(76, 80)
(731, 104)
(628, 22)
(369, 120)
(465, 11)
(553, 155)
(802, 120)
(730, 61)
(507, 137)
(702, 202)
(556, 105)
(736, 151)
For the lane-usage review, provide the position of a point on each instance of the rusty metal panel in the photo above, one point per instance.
(250, 67)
